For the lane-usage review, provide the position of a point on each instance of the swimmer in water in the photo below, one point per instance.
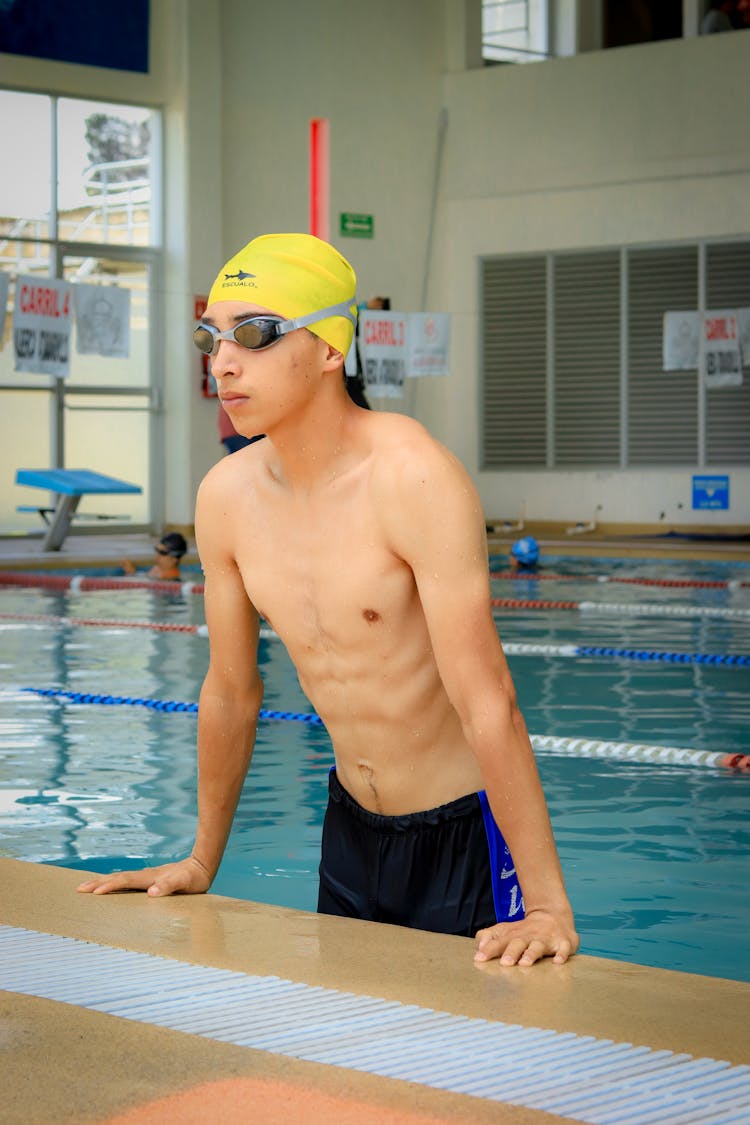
(169, 551)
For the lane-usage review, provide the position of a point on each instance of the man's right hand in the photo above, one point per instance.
(188, 877)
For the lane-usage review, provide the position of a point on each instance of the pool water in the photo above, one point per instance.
(655, 857)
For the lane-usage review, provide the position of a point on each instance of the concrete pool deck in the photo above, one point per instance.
(63, 1062)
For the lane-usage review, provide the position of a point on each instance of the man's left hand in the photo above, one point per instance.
(540, 934)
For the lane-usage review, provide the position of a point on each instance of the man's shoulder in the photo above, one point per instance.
(216, 477)
(407, 453)
(399, 432)
(225, 471)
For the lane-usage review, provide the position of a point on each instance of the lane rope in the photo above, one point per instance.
(646, 609)
(692, 583)
(548, 744)
(46, 619)
(511, 648)
(79, 583)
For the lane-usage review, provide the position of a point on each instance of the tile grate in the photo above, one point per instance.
(584, 1078)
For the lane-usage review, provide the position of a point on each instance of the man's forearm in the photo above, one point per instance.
(518, 804)
(226, 736)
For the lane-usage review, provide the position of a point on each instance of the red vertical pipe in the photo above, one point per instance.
(319, 178)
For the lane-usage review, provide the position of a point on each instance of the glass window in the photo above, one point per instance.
(78, 204)
(26, 183)
(104, 172)
(515, 31)
(90, 421)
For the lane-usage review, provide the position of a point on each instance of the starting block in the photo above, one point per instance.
(69, 485)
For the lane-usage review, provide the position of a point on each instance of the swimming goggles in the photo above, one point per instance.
(258, 332)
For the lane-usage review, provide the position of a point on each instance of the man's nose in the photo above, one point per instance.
(225, 360)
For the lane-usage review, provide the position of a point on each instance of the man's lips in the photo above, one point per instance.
(232, 400)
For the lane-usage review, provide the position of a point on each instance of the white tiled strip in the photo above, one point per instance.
(581, 1077)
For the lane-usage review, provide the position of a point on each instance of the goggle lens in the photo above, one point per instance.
(255, 333)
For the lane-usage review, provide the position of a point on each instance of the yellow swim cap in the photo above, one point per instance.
(293, 275)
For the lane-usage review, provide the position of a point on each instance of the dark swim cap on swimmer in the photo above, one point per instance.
(293, 275)
(174, 544)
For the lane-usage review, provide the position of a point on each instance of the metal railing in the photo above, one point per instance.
(112, 209)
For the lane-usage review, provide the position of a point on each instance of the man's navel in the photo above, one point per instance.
(367, 774)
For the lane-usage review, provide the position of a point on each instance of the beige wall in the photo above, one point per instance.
(644, 144)
(639, 145)
(375, 72)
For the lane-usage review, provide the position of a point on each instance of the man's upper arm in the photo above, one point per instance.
(438, 529)
(231, 618)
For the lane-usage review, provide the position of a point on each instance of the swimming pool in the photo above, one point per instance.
(655, 856)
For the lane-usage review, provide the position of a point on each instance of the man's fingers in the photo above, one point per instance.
(119, 881)
(525, 943)
(189, 876)
(564, 952)
(499, 944)
(169, 883)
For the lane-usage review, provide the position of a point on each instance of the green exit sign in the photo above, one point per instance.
(355, 225)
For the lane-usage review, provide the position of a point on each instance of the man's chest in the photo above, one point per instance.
(334, 583)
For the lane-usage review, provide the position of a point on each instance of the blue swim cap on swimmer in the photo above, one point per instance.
(526, 550)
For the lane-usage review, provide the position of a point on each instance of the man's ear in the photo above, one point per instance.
(334, 358)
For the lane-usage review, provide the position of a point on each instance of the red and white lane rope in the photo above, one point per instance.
(636, 752)
(646, 609)
(104, 623)
(79, 583)
(696, 583)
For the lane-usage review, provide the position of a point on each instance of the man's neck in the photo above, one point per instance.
(311, 451)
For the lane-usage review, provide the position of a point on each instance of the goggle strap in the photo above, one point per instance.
(342, 309)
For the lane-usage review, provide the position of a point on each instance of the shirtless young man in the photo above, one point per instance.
(361, 540)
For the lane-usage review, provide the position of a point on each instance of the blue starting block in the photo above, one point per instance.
(69, 485)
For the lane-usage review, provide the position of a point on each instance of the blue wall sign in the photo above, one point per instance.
(711, 492)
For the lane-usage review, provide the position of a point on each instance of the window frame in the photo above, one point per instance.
(150, 255)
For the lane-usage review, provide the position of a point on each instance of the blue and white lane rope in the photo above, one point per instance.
(545, 744)
(514, 648)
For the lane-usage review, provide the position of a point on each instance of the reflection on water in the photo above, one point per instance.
(655, 857)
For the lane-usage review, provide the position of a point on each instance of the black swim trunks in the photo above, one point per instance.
(446, 869)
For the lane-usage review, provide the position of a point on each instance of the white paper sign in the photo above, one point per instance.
(41, 326)
(429, 342)
(681, 341)
(4, 287)
(721, 363)
(383, 348)
(102, 320)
